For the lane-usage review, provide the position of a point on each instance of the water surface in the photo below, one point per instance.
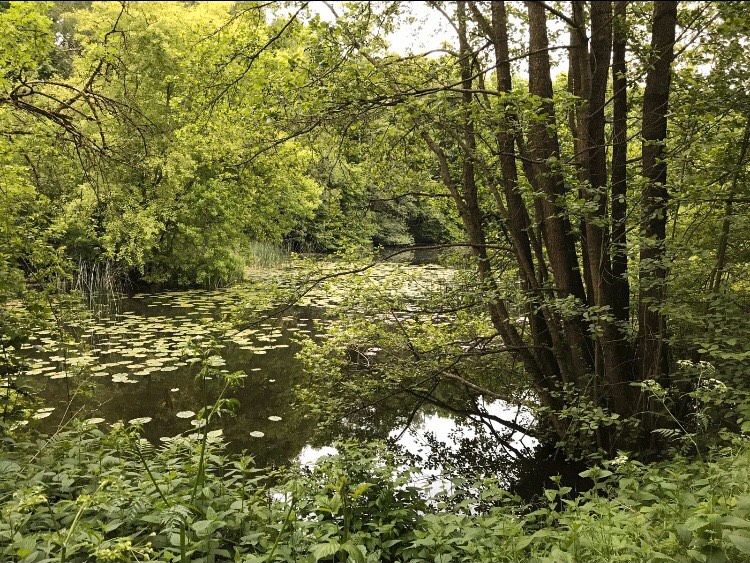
(140, 364)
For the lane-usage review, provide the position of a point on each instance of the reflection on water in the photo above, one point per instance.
(445, 429)
(139, 365)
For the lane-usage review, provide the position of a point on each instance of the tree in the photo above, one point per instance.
(590, 349)
(556, 200)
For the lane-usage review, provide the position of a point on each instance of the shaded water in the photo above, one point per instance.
(139, 366)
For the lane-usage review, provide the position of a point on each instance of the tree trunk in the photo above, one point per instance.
(590, 70)
(545, 148)
(652, 325)
(544, 332)
(547, 178)
(621, 289)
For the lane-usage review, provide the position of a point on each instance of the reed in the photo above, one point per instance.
(264, 255)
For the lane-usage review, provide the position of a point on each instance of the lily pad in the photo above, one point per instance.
(43, 413)
(122, 378)
(140, 420)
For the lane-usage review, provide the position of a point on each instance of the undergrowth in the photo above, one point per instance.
(88, 495)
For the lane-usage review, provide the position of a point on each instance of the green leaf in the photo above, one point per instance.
(739, 541)
(357, 552)
(25, 546)
(522, 543)
(734, 522)
(113, 525)
(596, 473)
(361, 488)
(696, 523)
(684, 534)
(202, 527)
(323, 550)
(743, 502)
(7, 467)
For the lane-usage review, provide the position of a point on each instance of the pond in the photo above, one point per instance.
(139, 367)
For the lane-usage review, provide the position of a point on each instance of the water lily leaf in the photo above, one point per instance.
(122, 378)
(140, 420)
(216, 361)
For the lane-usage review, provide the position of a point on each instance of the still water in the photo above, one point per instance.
(137, 365)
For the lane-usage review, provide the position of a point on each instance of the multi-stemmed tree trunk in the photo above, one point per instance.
(573, 265)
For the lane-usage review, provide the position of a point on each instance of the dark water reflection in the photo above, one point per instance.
(149, 334)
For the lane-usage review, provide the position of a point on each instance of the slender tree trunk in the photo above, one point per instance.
(579, 84)
(589, 80)
(653, 269)
(543, 328)
(615, 349)
(545, 147)
(621, 289)
(596, 154)
(547, 178)
(717, 275)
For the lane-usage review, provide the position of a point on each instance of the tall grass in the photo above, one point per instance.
(98, 283)
(264, 255)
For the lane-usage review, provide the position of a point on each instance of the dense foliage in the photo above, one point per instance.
(579, 170)
(84, 495)
(168, 158)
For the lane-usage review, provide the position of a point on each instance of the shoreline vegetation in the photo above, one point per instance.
(89, 495)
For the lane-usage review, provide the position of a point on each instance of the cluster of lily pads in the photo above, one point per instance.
(120, 348)
(152, 334)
